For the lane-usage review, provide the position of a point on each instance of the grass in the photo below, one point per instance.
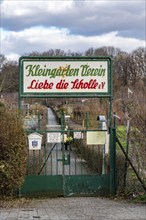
(121, 134)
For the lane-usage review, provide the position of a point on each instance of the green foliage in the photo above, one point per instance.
(13, 151)
(121, 134)
(140, 198)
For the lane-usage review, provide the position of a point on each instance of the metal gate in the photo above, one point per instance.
(70, 168)
(85, 169)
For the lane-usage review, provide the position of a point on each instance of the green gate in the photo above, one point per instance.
(71, 168)
(84, 169)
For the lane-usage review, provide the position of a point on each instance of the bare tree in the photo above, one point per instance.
(9, 77)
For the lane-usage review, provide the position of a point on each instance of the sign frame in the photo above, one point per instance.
(64, 60)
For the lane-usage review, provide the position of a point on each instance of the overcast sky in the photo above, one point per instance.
(76, 25)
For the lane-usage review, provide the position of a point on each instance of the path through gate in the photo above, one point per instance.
(79, 170)
(83, 169)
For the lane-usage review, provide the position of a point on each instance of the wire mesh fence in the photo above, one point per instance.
(131, 172)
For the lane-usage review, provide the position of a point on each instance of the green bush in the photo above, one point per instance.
(13, 151)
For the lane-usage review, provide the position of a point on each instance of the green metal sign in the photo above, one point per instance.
(65, 76)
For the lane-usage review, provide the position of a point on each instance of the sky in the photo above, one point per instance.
(27, 26)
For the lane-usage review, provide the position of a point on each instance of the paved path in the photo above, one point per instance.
(53, 165)
(73, 209)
